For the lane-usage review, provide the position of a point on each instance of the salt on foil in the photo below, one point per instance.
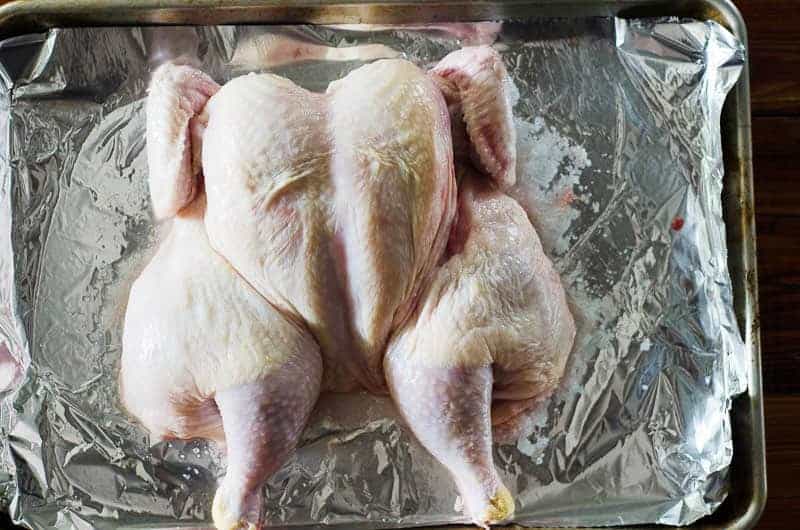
(620, 169)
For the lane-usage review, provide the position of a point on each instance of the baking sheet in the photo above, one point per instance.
(620, 170)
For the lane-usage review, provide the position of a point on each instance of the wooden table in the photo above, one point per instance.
(774, 35)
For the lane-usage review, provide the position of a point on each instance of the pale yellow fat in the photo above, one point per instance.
(501, 507)
(223, 519)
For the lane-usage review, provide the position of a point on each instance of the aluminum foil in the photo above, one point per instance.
(620, 169)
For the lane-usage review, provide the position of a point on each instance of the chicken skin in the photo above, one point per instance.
(322, 242)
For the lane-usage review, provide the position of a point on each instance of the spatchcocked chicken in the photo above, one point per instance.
(357, 239)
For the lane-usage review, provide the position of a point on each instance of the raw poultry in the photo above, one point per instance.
(357, 239)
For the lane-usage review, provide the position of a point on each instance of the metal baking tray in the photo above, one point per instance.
(748, 492)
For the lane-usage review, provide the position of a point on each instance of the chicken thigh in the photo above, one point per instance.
(319, 242)
(489, 340)
(491, 335)
(204, 355)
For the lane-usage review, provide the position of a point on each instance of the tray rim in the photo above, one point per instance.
(19, 17)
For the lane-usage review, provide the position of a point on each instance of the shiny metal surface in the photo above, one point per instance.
(747, 491)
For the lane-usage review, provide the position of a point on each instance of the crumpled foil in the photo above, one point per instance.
(620, 168)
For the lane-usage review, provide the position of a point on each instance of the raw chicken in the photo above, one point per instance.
(316, 245)
(177, 95)
(272, 50)
(480, 96)
(256, 50)
(204, 355)
(488, 341)
(331, 205)
(467, 33)
(10, 369)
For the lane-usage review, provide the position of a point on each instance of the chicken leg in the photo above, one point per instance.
(491, 336)
(263, 421)
(490, 339)
(204, 354)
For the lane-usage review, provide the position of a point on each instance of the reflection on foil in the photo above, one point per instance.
(620, 169)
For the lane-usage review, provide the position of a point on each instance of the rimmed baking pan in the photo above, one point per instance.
(747, 494)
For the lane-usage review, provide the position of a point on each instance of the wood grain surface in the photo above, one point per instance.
(783, 464)
(773, 28)
(774, 36)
